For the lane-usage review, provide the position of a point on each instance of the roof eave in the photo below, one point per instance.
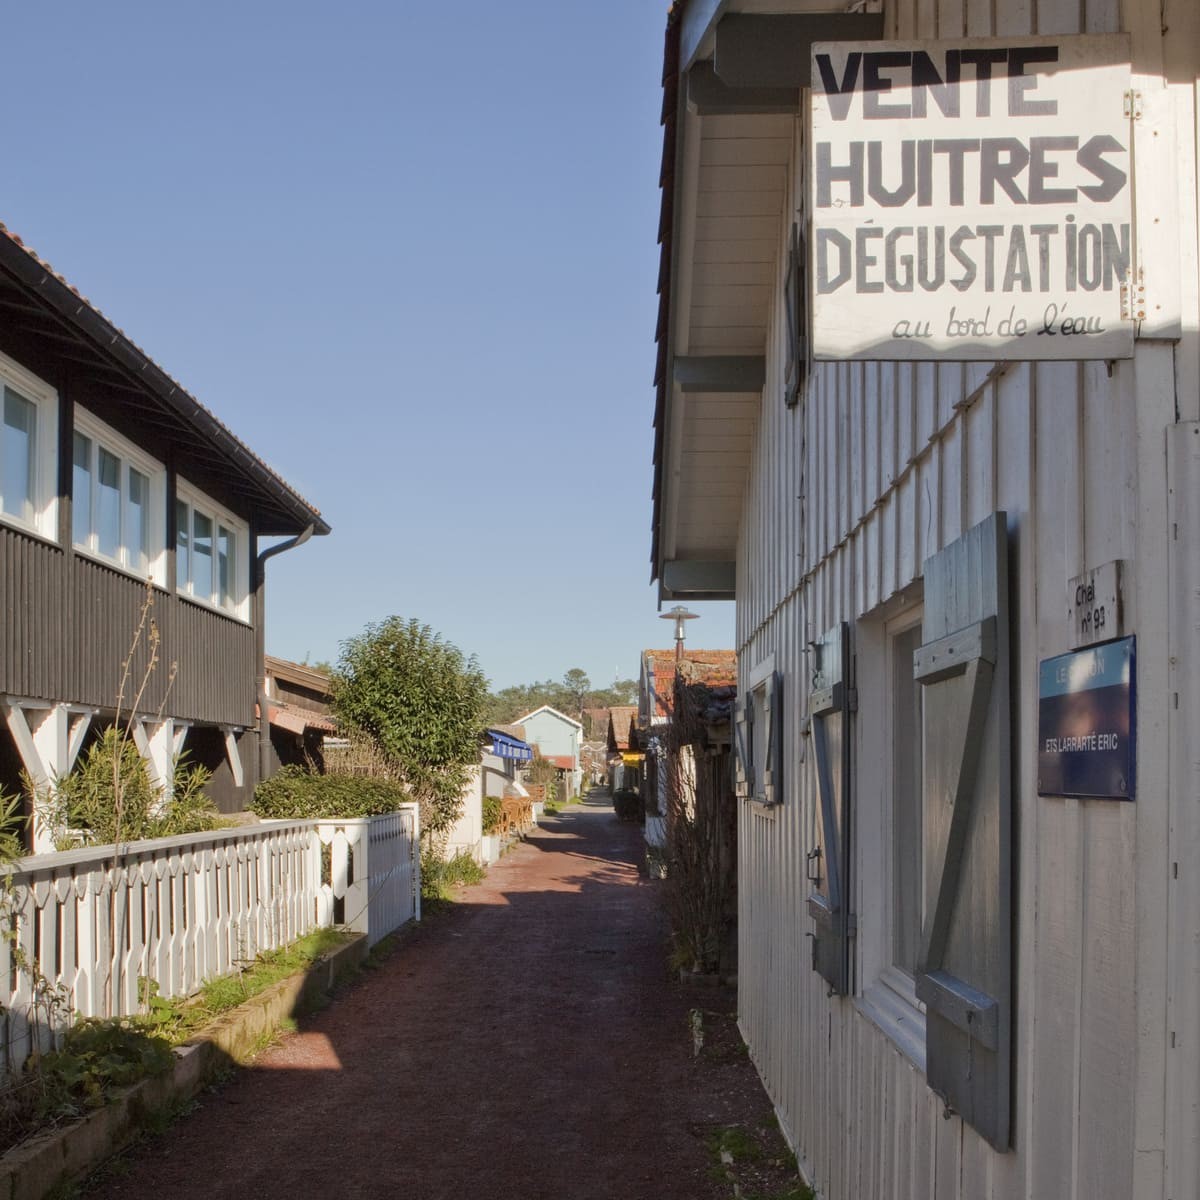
(34, 275)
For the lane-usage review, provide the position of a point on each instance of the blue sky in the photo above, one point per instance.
(407, 252)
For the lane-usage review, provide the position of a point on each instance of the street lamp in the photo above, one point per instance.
(679, 615)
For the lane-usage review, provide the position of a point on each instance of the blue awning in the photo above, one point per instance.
(504, 746)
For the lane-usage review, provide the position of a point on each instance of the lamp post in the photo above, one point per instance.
(679, 615)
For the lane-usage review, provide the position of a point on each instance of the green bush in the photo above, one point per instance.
(295, 794)
(439, 876)
(493, 814)
(82, 808)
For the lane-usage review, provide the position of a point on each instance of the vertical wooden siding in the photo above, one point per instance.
(68, 624)
(881, 466)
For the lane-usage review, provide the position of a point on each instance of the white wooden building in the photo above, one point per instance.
(955, 982)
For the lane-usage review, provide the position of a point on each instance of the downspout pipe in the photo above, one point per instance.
(260, 602)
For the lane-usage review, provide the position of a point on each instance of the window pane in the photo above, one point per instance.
(81, 491)
(202, 553)
(226, 562)
(108, 504)
(183, 542)
(16, 483)
(137, 535)
(907, 819)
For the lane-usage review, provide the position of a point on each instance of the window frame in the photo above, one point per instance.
(888, 996)
(131, 457)
(220, 517)
(44, 482)
(763, 688)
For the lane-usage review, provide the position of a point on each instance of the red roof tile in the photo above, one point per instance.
(715, 668)
(620, 720)
(297, 719)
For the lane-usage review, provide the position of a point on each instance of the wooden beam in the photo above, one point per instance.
(721, 373)
(235, 758)
(710, 96)
(698, 578)
(698, 17)
(762, 51)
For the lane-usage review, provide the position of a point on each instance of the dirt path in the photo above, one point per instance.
(527, 1045)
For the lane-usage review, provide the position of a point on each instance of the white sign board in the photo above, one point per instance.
(971, 199)
(1094, 612)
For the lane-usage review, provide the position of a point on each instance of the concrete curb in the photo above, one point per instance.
(51, 1160)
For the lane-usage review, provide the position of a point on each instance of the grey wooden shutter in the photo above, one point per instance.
(830, 705)
(743, 768)
(964, 970)
(772, 774)
(793, 303)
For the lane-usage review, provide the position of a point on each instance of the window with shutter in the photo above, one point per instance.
(964, 964)
(830, 705)
(768, 700)
(758, 737)
(743, 768)
(793, 306)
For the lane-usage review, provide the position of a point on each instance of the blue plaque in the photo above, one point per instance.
(1087, 738)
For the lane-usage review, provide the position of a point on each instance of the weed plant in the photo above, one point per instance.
(179, 1018)
(96, 1058)
(439, 877)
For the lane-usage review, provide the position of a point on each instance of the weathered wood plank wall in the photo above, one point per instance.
(881, 466)
(68, 624)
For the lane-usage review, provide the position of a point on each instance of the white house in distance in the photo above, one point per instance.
(937, 434)
(558, 739)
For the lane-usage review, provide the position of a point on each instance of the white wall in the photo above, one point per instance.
(467, 832)
(891, 463)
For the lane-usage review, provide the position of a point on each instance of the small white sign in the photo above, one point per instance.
(1094, 605)
(971, 199)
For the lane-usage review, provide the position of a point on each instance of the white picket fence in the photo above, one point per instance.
(375, 873)
(183, 910)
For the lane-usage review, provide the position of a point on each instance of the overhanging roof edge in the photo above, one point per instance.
(31, 272)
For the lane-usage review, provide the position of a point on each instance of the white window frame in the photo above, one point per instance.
(756, 747)
(889, 996)
(103, 436)
(44, 398)
(239, 605)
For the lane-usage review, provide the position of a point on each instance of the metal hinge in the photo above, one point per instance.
(1133, 104)
(1133, 295)
(852, 699)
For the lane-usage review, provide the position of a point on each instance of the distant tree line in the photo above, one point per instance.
(572, 694)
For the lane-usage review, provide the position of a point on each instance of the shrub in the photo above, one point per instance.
(627, 804)
(439, 876)
(421, 701)
(109, 798)
(295, 794)
(493, 814)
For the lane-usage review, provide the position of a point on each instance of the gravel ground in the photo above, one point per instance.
(525, 1043)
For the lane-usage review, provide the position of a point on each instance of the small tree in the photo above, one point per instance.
(421, 702)
(576, 687)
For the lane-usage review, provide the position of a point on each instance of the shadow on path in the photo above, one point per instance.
(528, 1043)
